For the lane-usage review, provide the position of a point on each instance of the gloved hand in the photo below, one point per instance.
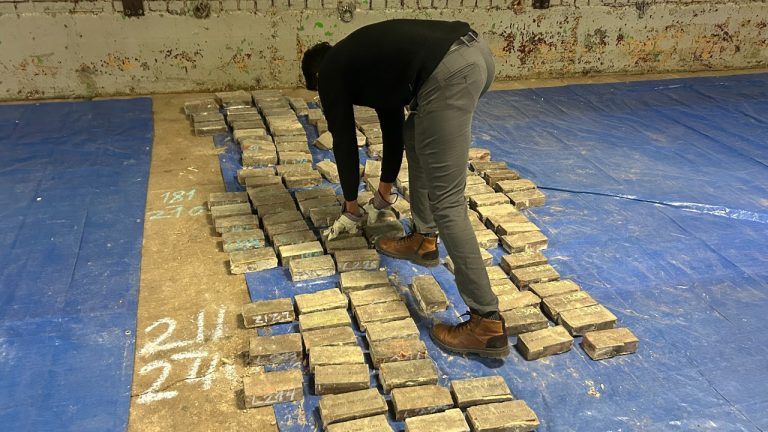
(346, 223)
(377, 206)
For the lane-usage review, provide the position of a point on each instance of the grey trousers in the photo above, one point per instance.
(437, 139)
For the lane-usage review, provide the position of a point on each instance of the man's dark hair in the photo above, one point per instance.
(311, 63)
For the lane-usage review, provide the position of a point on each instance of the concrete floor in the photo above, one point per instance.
(187, 297)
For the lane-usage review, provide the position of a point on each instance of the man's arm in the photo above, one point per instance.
(341, 123)
(391, 120)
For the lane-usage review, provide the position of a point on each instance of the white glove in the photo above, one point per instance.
(377, 208)
(346, 223)
(371, 212)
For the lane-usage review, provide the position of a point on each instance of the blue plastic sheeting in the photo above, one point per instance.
(229, 161)
(657, 195)
(73, 184)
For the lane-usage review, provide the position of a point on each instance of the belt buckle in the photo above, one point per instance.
(466, 38)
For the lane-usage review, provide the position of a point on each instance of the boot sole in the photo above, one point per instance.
(485, 352)
(415, 260)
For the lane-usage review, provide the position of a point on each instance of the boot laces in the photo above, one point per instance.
(406, 239)
(464, 324)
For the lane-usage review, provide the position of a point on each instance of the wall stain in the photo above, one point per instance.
(509, 41)
(37, 65)
(300, 47)
(275, 61)
(119, 63)
(240, 60)
(517, 7)
(85, 75)
(656, 50)
(596, 41)
(534, 44)
(538, 49)
(182, 58)
(31, 94)
(723, 33)
(711, 49)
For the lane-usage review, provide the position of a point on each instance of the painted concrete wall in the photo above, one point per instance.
(72, 49)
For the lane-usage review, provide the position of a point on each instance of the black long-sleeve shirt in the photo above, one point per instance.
(381, 66)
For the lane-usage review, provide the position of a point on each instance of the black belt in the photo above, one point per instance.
(468, 39)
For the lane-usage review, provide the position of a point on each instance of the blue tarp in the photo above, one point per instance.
(73, 184)
(657, 205)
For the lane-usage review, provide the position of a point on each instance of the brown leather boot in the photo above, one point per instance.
(477, 335)
(415, 247)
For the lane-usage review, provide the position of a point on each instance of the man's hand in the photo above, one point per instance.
(346, 223)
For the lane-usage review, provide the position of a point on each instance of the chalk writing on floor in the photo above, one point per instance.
(177, 205)
(166, 352)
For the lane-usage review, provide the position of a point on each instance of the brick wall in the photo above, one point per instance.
(181, 7)
(87, 48)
